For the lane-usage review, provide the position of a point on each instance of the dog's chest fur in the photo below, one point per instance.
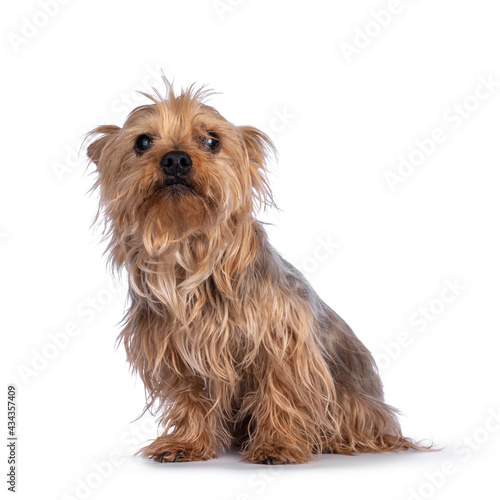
(204, 303)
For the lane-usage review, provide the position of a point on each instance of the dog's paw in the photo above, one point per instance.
(167, 457)
(276, 455)
(165, 450)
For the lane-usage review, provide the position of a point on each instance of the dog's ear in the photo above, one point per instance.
(259, 148)
(96, 148)
(258, 145)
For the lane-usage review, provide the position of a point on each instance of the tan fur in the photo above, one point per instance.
(231, 342)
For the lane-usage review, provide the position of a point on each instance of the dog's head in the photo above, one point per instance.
(176, 168)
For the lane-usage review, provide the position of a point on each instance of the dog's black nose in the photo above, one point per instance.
(176, 163)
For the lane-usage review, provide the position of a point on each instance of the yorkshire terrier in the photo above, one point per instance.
(233, 345)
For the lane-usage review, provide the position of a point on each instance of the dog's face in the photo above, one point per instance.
(177, 167)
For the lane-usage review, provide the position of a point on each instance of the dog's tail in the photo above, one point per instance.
(368, 425)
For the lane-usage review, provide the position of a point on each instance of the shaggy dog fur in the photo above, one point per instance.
(232, 343)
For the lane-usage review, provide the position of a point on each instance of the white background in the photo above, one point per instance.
(346, 124)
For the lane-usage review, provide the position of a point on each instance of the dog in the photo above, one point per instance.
(233, 345)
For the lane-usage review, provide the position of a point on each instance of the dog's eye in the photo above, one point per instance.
(143, 143)
(212, 141)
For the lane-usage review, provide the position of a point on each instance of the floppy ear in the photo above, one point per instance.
(259, 148)
(258, 144)
(95, 149)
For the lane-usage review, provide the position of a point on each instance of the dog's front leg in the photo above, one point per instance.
(192, 428)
